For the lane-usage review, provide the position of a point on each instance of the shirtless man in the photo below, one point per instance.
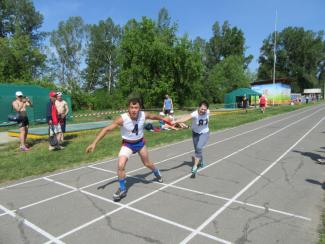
(63, 110)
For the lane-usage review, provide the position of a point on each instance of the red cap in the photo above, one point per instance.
(52, 94)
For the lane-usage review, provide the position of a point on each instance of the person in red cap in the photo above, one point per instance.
(52, 119)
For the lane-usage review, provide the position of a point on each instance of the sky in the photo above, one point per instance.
(256, 18)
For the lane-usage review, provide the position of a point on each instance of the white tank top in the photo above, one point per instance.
(132, 130)
(200, 123)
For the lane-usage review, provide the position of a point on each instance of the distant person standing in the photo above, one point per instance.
(20, 105)
(63, 110)
(168, 105)
(263, 101)
(245, 103)
(52, 119)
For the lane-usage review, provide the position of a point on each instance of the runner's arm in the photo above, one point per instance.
(183, 119)
(116, 123)
(157, 117)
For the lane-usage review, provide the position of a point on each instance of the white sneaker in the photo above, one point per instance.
(321, 160)
(51, 148)
(60, 147)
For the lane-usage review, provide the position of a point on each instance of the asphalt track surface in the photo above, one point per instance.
(261, 184)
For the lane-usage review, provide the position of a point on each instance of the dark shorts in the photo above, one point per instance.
(135, 147)
(262, 105)
(23, 120)
(167, 111)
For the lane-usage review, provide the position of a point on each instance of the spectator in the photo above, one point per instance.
(52, 119)
(262, 102)
(245, 103)
(20, 105)
(168, 105)
(63, 110)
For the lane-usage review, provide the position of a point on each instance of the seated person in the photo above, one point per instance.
(164, 126)
(151, 127)
(177, 125)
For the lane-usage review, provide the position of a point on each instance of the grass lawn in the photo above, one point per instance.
(15, 164)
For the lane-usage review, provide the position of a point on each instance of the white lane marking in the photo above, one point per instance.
(226, 205)
(31, 225)
(168, 145)
(42, 201)
(218, 161)
(123, 206)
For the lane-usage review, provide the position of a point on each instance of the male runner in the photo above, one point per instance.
(131, 125)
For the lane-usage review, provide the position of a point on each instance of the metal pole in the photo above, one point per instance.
(274, 50)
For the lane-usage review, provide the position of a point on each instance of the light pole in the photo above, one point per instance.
(274, 50)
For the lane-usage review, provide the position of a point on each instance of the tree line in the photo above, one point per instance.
(101, 64)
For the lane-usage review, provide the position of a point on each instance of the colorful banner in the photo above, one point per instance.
(279, 92)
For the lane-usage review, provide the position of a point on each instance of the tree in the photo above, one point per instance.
(226, 41)
(164, 20)
(300, 57)
(102, 51)
(153, 62)
(69, 41)
(226, 76)
(21, 58)
(20, 17)
(145, 62)
(188, 70)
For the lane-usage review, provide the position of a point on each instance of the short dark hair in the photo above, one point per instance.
(134, 101)
(204, 103)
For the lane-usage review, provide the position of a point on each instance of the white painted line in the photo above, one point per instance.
(122, 206)
(31, 225)
(210, 164)
(226, 205)
(182, 154)
(42, 201)
(101, 169)
(145, 196)
(173, 186)
(186, 176)
(170, 145)
(207, 165)
(153, 216)
(61, 184)
(243, 203)
(221, 198)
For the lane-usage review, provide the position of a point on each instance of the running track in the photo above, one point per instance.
(261, 184)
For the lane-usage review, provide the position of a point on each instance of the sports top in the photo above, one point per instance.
(200, 123)
(132, 130)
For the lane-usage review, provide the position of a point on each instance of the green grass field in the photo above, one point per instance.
(15, 164)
